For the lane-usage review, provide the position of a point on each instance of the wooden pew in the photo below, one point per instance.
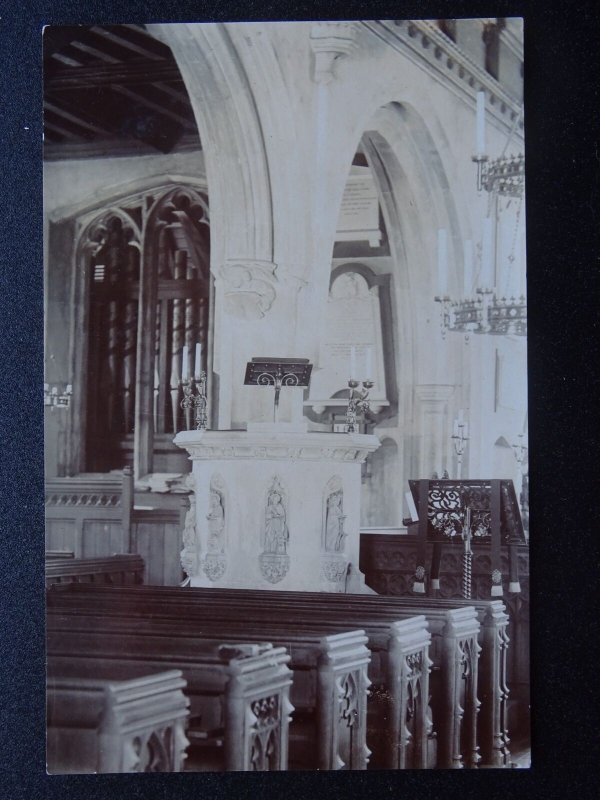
(456, 632)
(493, 738)
(238, 693)
(493, 735)
(99, 725)
(330, 672)
(55, 554)
(402, 645)
(119, 569)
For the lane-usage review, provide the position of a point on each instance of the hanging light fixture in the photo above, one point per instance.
(481, 309)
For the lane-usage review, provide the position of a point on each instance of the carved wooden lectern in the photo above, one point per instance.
(468, 513)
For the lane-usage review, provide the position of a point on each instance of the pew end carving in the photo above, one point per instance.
(111, 726)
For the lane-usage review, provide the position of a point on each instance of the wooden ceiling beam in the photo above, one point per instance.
(76, 119)
(177, 94)
(67, 60)
(159, 108)
(65, 132)
(125, 41)
(93, 51)
(131, 73)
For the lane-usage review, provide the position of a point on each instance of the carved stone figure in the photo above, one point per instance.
(214, 562)
(216, 522)
(190, 554)
(274, 561)
(334, 525)
(276, 530)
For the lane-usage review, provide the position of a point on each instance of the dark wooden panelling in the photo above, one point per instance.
(102, 538)
(61, 534)
(159, 544)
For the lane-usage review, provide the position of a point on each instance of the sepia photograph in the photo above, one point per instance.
(286, 447)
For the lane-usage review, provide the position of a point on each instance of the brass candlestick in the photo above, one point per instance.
(194, 390)
(358, 402)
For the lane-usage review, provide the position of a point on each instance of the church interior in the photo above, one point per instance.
(286, 450)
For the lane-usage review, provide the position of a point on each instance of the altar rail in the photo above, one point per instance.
(388, 562)
(130, 725)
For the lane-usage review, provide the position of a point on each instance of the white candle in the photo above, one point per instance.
(352, 363)
(468, 270)
(480, 138)
(461, 416)
(487, 265)
(455, 427)
(442, 239)
(184, 364)
(198, 361)
(368, 367)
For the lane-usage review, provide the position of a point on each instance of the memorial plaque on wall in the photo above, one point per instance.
(359, 213)
(353, 319)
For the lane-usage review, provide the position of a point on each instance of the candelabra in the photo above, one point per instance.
(486, 313)
(460, 438)
(55, 399)
(503, 176)
(194, 391)
(358, 402)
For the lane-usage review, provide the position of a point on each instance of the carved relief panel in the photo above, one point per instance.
(190, 555)
(334, 562)
(274, 560)
(214, 562)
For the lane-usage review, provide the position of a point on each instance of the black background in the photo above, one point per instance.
(562, 106)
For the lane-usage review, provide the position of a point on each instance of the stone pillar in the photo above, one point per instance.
(433, 424)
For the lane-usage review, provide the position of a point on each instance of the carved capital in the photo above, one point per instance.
(329, 41)
(248, 287)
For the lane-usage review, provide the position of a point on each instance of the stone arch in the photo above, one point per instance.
(236, 164)
(416, 199)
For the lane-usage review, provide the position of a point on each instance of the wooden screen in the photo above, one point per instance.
(148, 297)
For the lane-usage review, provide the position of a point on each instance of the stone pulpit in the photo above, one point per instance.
(275, 507)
